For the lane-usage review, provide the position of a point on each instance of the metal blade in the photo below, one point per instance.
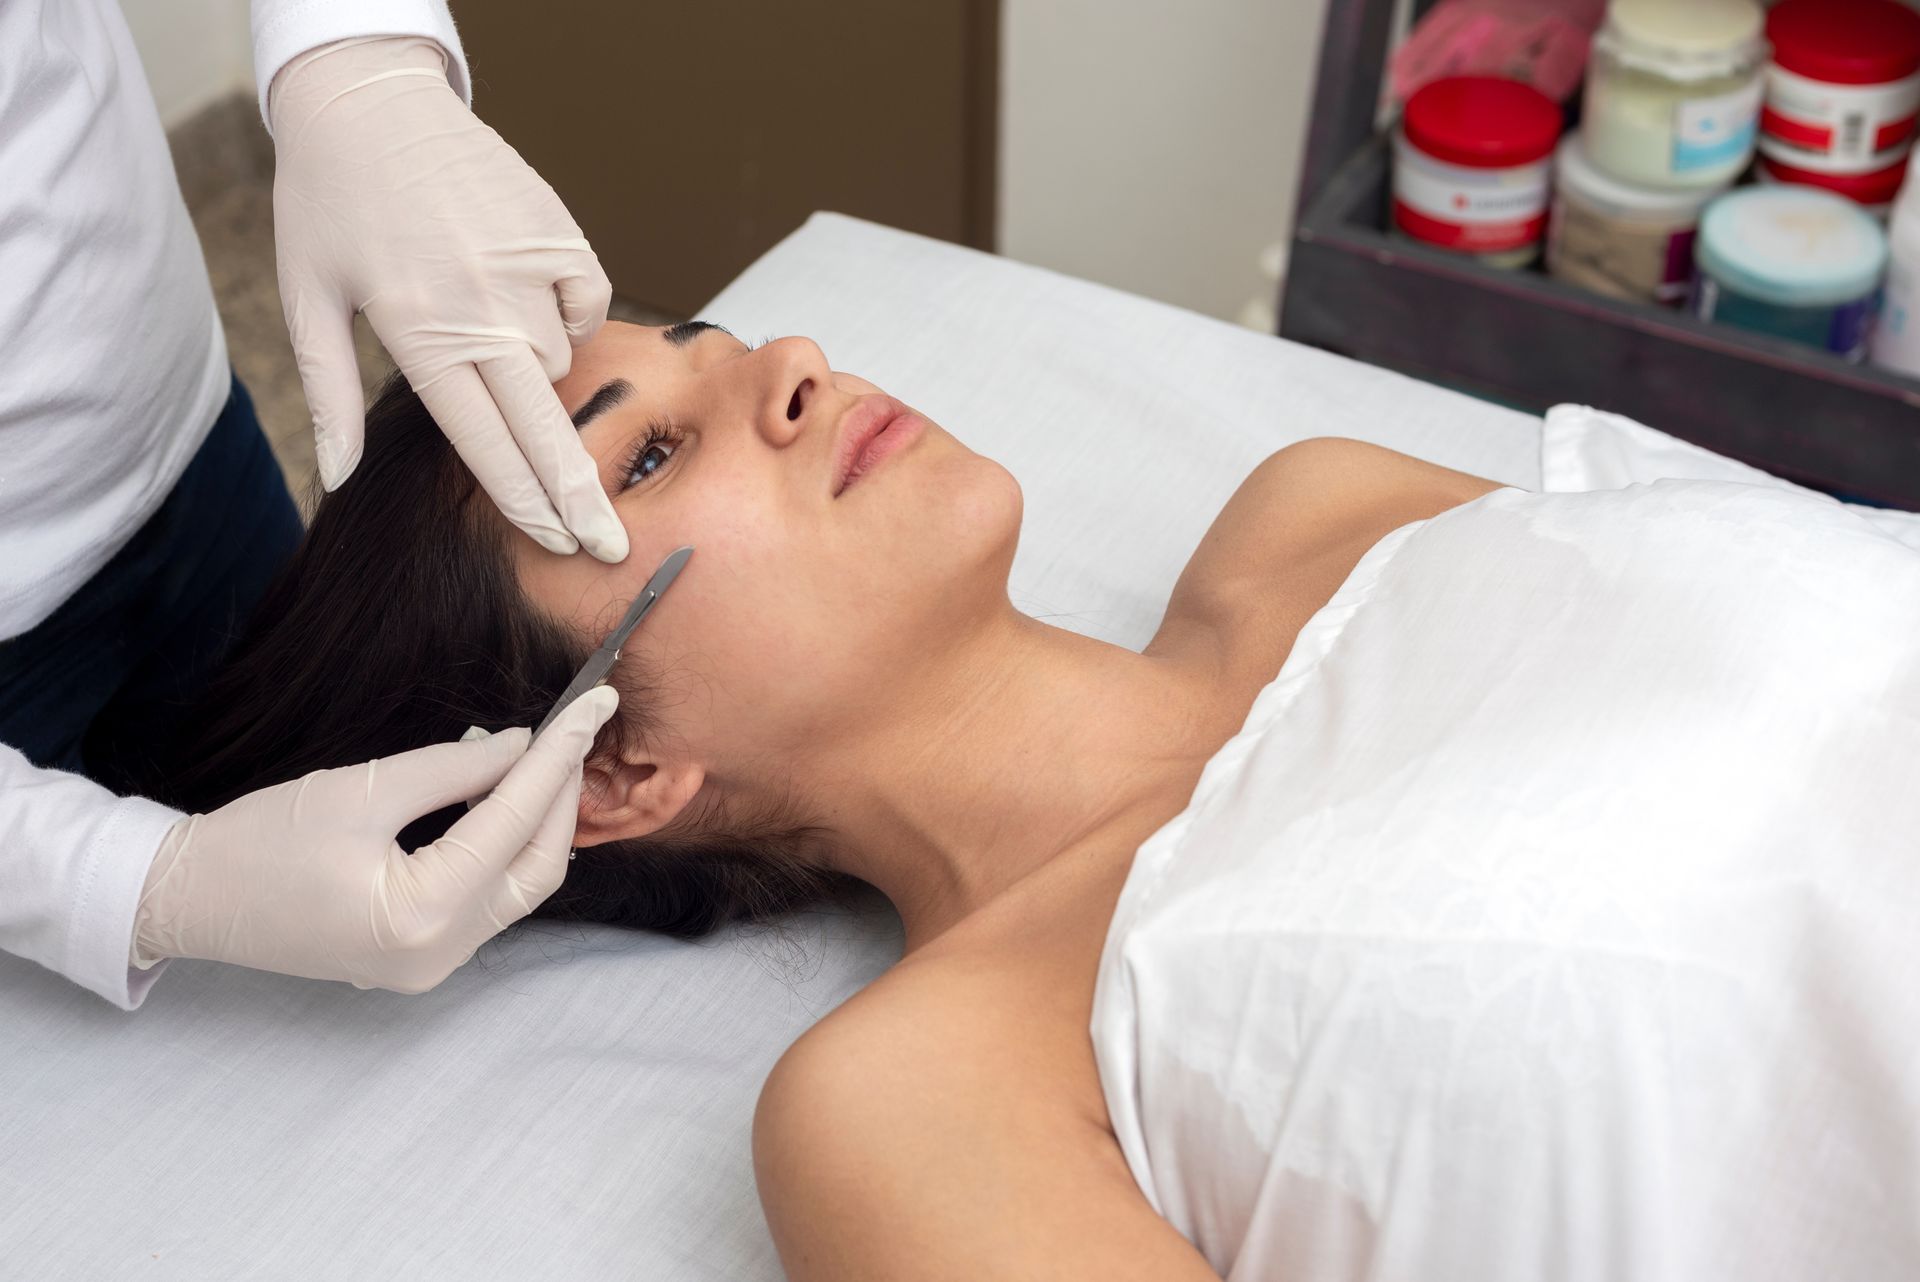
(596, 668)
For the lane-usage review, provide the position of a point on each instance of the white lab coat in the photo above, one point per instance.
(112, 369)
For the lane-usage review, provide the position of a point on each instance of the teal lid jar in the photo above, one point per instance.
(1796, 262)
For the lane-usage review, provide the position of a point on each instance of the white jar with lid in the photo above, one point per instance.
(1617, 238)
(1673, 90)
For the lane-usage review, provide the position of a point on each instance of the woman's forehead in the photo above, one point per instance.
(637, 353)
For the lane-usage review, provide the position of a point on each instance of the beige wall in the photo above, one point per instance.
(194, 51)
(1154, 146)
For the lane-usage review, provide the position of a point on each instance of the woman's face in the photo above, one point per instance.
(804, 604)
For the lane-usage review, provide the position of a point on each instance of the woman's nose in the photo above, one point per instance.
(799, 383)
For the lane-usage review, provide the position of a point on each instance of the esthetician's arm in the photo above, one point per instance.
(305, 877)
(72, 860)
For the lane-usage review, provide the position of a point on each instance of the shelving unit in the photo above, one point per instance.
(1530, 341)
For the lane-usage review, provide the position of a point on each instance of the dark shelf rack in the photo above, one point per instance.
(1529, 341)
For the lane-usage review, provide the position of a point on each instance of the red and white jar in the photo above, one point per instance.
(1473, 165)
(1842, 86)
(1874, 191)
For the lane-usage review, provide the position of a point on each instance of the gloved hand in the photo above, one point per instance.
(390, 197)
(305, 878)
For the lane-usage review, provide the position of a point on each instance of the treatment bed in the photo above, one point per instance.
(577, 1102)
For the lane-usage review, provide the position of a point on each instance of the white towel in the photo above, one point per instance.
(1556, 913)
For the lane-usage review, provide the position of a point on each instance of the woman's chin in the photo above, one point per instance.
(975, 530)
(974, 502)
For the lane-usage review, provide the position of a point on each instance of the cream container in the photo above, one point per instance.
(1873, 192)
(1843, 86)
(1674, 89)
(1618, 238)
(1472, 164)
(1796, 262)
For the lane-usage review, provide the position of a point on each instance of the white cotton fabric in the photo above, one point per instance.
(577, 1104)
(1554, 914)
(1582, 448)
(113, 367)
(112, 362)
(73, 861)
(113, 358)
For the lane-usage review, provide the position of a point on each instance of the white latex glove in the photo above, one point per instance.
(305, 878)
(391, 198)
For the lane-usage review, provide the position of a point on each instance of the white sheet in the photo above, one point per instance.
(1555, 914)
(581, 1107)
(1583, 448)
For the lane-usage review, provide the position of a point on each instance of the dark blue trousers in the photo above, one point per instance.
(100, 685)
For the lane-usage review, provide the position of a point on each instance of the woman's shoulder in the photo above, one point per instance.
(942, 1006)
(899, 1026)
(921, 1120)
(1290, 535)
(1323, 492)
(985, 1017)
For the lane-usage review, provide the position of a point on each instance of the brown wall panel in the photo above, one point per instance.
(686, 139)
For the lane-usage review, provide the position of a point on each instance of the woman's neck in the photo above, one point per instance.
(1024, 745)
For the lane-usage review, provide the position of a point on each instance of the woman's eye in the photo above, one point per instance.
(650, 454)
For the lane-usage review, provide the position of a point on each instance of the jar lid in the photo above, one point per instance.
(1875, 189)
(1694, 40)
(1792, 246)
(1846, 42)
(1694, 27)
(1575, 174)
(1483, 122)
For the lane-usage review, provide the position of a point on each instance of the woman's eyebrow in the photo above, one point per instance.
(611, 393)
(686, 331)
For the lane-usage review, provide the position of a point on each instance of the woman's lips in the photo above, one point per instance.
(878, 427)
(898, 433)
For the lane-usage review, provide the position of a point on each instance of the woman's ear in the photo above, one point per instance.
(622, 799)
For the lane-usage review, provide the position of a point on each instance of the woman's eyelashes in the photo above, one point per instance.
(644, 459)
(651, 454)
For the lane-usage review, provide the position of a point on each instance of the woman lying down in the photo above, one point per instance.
(1552, 912)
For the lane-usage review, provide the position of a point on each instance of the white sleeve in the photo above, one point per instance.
(73, 860)
(285, 29)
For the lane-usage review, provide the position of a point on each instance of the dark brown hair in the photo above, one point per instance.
(398, 623)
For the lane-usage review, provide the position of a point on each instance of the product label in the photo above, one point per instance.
(1838, 128)
(1619, 259)
(1478, 210)
(1678, 276)
(1705, 300)
(1896, 339)
(1708, 132)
